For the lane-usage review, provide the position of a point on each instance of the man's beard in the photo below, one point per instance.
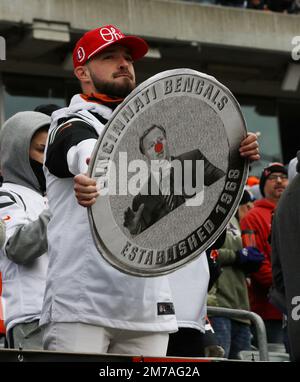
(113, 89)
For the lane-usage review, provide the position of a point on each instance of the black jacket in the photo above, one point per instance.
(286, 260)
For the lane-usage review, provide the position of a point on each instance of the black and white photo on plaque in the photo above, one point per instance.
(169, 172)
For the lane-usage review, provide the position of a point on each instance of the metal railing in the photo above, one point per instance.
(254, 318)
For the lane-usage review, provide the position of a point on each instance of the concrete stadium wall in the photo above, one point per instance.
(161, 19)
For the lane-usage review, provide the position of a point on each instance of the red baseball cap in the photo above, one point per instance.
(96, 40)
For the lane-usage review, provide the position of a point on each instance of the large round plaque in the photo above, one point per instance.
(169, 173)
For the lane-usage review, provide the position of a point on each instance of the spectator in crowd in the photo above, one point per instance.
(286, 261)
(90, 306)
(112, 304)
(273, 182)
(23, 259)
(230, 290)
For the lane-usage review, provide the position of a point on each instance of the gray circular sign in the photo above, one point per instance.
(169, 172)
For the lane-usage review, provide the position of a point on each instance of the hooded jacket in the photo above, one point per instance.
(286, 261)
(15, 139)
(81, 285)
(259, 219)
(230, 289)
(22, 208)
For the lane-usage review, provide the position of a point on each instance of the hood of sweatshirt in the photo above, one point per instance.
(265, 203)
(15, 137)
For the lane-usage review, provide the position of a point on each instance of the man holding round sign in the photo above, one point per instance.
(89, 305)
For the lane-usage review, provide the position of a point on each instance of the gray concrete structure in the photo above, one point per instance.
(249, 51)
(214, 38)
(158, 19)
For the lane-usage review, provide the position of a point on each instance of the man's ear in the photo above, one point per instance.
(82, 73)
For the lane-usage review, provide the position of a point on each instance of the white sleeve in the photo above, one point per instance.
(12, 213)
(77, 156)
(25, 239)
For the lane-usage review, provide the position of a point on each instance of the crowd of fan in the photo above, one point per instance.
(286, 6)
(81, 304)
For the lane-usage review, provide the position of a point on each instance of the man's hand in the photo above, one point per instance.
(132, 219)
(249, 147)
(85, 190)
